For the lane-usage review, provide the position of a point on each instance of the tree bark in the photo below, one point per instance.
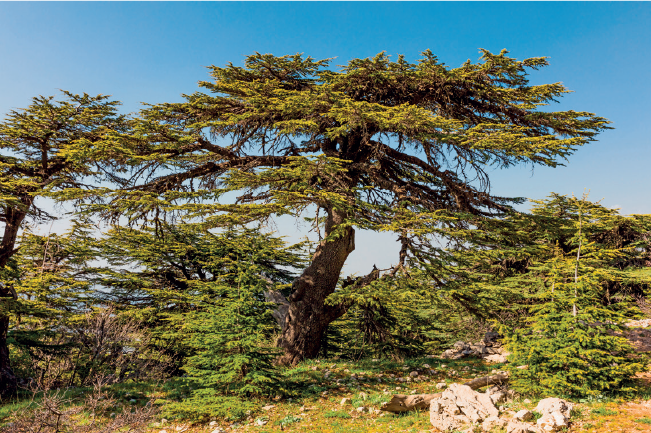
(13, 220)
(308, 316)
(8, 382)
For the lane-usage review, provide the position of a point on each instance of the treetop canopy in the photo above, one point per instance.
(373, 138)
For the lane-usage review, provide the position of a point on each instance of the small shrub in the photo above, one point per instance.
(203, 406)
(603, 411)
(289, 419)
(337, 414)
(645, 420)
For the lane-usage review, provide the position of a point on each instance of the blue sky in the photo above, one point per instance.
(154, 52)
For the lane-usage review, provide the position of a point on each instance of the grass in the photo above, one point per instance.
(311, 403)
(603, 411)
(337, 414)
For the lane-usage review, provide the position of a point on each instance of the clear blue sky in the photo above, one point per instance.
(153, 52)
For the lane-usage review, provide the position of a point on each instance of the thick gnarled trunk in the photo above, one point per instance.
(308, 316)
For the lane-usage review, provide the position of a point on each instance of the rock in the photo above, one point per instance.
(459, 405)
(413, 374)
(162, 431)
(520, 427)
(526, 401)
(496, 359)
(163, 421)
(426, 366)
(218, 430)
(345, 401)
(363, 395)
(260, 422)
(361, 409)
(498, 397)
(441, 385)
(214, 423)
(555, 412)
(551, 404)
(524, 415)
(492, 422)
(333, 366)
(553, 422)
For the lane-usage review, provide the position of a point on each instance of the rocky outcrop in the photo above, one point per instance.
(459, 405)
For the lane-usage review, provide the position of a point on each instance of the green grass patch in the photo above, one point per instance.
(603, 411)
(337, 414)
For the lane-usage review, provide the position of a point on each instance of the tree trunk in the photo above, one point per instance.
(13, 219)
(8, 383)
(308, 316)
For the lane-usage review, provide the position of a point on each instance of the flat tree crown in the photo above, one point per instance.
(374, 138)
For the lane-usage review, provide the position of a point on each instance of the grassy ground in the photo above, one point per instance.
(316, 405)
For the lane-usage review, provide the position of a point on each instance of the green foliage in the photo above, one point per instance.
(289, 419)
(603, 411)
(53, 281)
(176, 272)
(201, 408)
(202, 294)
(572, 343)
(230, 334)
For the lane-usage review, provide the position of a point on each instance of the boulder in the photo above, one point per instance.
(459, 405)
(551, 404)
(555, 413)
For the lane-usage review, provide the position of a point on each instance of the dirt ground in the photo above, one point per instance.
(619, 418)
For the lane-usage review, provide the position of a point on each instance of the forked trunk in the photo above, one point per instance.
(308, 315)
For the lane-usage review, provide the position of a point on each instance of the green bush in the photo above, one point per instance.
(204, 405)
